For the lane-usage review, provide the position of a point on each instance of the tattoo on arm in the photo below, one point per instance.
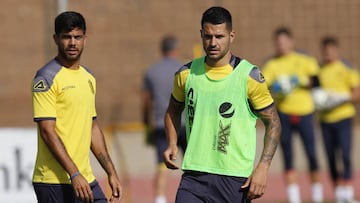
(272, 124)
(103, 159)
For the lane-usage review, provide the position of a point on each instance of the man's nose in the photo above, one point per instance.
(213, 41)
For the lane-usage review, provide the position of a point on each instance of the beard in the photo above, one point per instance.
(216, 57)
(70, 57)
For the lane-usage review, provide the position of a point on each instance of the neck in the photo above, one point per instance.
(218, 63)
(331, 60)
(68, 64)
(171, 54)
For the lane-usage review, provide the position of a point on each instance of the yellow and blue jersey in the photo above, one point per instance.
(341, 78)
(68, 97)
(258, 92)
(303, 67)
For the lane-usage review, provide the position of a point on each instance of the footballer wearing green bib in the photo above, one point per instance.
(222, 95)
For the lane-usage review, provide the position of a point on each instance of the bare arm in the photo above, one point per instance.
(57, 148)
(355, 94)
(172, 126)
(272, 124)
(258, 179)
(99, 149)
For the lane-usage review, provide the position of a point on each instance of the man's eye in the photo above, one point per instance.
(65, 37)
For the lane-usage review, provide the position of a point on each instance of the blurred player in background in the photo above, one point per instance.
(342, 86)
(63, 95)
(223, 95)
(290, 75)
(157, 88)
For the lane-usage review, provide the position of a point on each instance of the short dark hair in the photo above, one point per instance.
(69, 20)
(283, 31)
(329, 40)
(168, 43)
(217, 15)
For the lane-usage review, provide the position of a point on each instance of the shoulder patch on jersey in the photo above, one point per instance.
(45, 76)
(40, 84)
(256, 74)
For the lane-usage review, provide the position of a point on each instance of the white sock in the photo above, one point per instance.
(293, 191)
(349, 193)
(160, 199)
(317, 193)
(339, 194)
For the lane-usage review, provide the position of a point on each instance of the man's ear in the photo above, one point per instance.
(85, 37)
(232, 36)
(56, 39)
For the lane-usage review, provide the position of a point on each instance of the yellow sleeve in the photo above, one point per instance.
(258, 92)
(269, 73)
(354, 78)
(94, 113)
(179, 85)
(312, 65)
(44, 100)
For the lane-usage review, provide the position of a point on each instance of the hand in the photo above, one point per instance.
(115, 185)
(257, 183)
(170, 157)
(82, 189)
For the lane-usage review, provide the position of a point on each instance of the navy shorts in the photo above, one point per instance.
(304, 125)
(64, 193)
(198, 187)
(161, 142)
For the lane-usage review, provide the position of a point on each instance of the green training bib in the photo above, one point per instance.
(220, 125)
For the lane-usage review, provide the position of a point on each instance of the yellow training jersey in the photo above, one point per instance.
(338, 77)
(68, 97)
(258, 93)
(299, 100)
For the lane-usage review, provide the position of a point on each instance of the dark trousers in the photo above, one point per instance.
(198, 187)
(337, 140)
(305, 126)
(64, 193)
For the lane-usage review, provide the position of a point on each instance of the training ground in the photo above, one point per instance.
(135, 162)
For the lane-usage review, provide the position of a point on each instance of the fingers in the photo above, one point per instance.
(116, 195)
(115, 185)
(170, 158)
(256, 191)
(247, 183)
(114, 199)
(82, 189)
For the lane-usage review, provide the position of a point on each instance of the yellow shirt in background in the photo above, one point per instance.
(68, 97)
(298, 101)
(338, 77)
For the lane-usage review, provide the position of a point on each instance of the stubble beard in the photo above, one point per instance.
(70, 58)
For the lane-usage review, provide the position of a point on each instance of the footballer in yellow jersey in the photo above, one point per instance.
(337, 78)
(290, 76)
(67, 97)
(299, 68)
(63, 94)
